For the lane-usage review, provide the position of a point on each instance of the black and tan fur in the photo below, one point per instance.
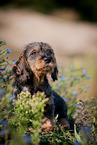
(36, 61)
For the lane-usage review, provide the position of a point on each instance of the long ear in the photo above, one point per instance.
(19, 69)
(54, 74)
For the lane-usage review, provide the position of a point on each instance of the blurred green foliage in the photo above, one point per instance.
(87, 8)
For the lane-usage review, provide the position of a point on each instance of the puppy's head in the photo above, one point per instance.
(39, 58)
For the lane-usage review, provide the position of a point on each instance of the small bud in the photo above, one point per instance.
(75, 94)
(88, 77)
(8, 50)
(84, 71)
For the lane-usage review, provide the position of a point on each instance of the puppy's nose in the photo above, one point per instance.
(47, 59)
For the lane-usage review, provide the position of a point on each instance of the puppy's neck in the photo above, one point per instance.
(38, 80)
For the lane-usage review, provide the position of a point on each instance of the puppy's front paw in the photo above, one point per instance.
(48, 124)
(64, 122)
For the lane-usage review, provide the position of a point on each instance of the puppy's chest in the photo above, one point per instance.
(32, 89)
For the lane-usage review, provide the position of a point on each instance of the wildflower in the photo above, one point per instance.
(1, 92)
(7, 66)
(27, 138)
(77, 143)
(92, 138)
(88, 77)
(13, 61)
(0, 80)
(72, 67)
(58, 83)
(11, 97)
(8, 50)
(66, 100)
(4, 41)
(6, 57)
(58, 87)
(26, 112)
(9, 106)
(77, 105)
(74, 79)
(5, 77)
(62, 78)
(85, 89)
(3, 69)
(75, 94)
(84, 71)
(4, 122)
(89, 86)
(3, 132)
(87, 130)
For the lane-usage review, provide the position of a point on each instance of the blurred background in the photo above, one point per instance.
(70, 27)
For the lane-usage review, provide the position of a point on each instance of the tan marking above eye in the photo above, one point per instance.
(33, 52)
(50, 51)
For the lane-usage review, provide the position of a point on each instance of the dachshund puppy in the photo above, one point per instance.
(31, 69)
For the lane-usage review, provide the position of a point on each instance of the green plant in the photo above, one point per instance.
(27, 115)
(70, 85)
(5, 91)
(85, 121)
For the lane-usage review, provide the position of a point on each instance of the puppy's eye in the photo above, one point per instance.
(33, 53)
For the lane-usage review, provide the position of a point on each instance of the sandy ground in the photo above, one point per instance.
(69, 39)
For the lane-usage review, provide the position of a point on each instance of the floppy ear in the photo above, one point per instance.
(19, 69)
(54, 74)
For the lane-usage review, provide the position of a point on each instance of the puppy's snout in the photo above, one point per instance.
(47, 59)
